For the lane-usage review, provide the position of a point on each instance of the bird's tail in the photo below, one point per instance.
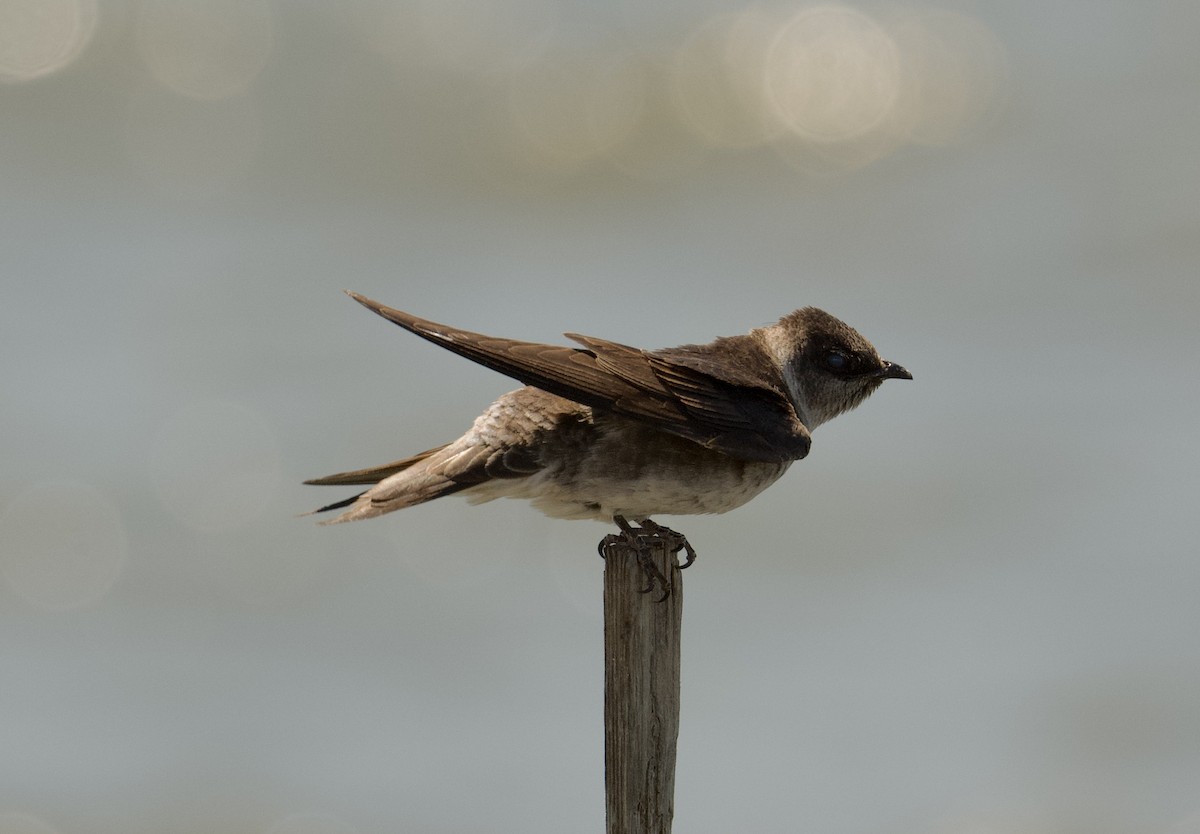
(374, 474)
(416, 484)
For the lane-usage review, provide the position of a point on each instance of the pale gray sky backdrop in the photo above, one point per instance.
(972, 609)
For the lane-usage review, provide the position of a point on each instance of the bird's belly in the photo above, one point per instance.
(714, 489)
(637, 475)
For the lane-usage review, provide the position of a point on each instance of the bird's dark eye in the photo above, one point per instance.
(836, 361)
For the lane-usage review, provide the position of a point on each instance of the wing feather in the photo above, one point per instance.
(683, 391)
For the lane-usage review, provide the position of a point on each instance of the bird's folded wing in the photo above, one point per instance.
(745, 421)
(739, 415)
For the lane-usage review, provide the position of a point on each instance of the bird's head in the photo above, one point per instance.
(827, 365)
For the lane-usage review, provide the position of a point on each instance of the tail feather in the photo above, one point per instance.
(405, 483)
(366, 505)
(337, 505)
(371, 475)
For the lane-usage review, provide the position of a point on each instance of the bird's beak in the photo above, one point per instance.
(893, 371)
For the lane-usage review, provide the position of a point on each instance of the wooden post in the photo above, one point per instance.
(641, 692)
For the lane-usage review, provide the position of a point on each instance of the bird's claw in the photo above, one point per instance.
(640, 540)
(675, 541)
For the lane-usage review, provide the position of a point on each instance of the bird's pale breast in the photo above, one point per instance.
(597, 466)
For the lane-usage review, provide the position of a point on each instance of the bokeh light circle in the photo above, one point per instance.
(832, 74)
(39, 37)
(210, 50)
(716, 80)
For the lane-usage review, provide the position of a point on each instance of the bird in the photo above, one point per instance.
(618, 434)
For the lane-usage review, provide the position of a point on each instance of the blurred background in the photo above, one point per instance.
(972, 609)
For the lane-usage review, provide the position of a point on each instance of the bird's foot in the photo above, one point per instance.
(675, 541)
(640, 540)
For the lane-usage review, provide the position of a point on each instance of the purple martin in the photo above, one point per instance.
(618, 434)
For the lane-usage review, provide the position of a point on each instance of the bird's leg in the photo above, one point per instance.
(676, 541)
(638, 540)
